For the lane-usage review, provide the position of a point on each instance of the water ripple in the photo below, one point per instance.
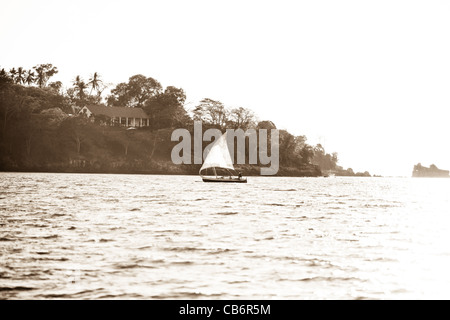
(78, 236)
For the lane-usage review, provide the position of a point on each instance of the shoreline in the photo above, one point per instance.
(189, 174)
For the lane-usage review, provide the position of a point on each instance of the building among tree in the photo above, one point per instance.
(117, 116)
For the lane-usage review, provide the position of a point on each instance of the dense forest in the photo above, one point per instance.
(42, 129)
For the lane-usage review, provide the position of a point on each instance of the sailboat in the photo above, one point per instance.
(218, 166)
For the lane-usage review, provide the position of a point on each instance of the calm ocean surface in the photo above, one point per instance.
(95, 236)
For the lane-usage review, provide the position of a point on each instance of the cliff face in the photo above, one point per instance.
(431, 172)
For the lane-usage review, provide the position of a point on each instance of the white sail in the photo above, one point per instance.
(218, 155)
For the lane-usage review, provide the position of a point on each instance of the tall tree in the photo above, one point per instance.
(136, 92)
(306, 154)
(30, 77)
(241, 118)
(141, 88)
(79, 89)
(13, 73)
(43, 73)
(177, 96)
(20, 77)
(211, 112)
(324, 160)
(95, 82)
(119, 95)
(167, 109)
(286, 148)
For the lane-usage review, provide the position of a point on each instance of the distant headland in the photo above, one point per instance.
(431, 172)
(48, 127)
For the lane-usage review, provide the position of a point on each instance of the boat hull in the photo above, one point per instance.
(227, 180)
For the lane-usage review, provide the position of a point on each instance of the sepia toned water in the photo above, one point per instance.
(94, 236)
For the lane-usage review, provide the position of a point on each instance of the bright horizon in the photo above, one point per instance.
(369, 80)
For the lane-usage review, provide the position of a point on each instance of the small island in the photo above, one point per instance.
(431, 172)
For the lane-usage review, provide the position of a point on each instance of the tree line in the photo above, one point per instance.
(40, 122)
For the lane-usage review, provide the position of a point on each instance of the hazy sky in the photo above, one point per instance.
(368, 79)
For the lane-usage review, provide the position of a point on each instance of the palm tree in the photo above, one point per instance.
(41, 77)
(44, 73)
(30, 77)
(20, 76)
(95, 82)
(80, 86)
(13, 73)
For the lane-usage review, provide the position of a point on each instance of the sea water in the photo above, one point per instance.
(105, 236)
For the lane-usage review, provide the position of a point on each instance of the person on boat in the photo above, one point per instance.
(240, 175)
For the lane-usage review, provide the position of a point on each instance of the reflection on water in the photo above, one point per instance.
(89, 236)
